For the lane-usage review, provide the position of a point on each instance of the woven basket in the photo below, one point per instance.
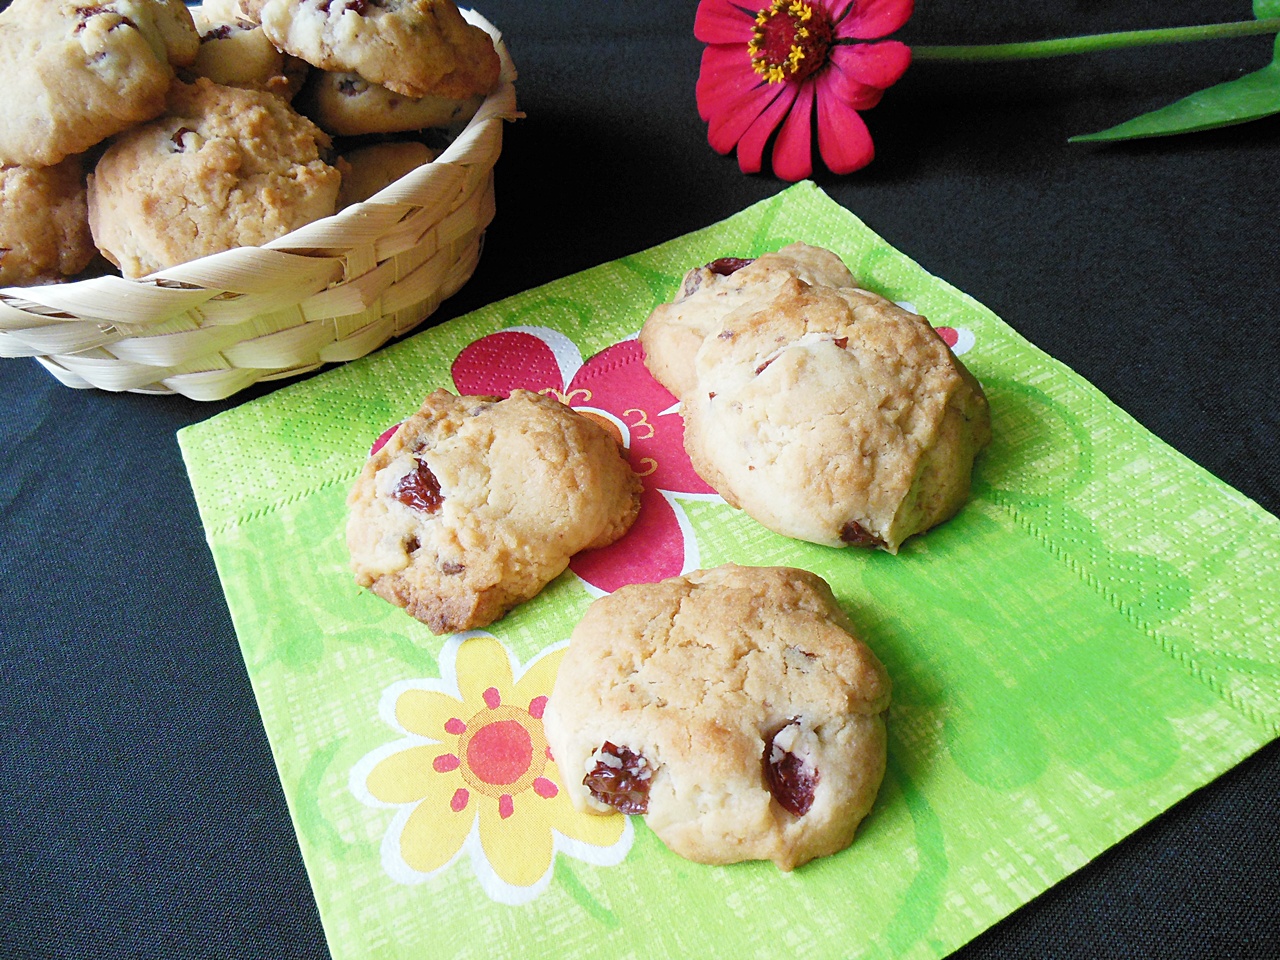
(329, 292)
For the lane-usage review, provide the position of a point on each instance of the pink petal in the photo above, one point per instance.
(842, 136)
(719, 21)
(726, 129)
(837, 83)
(501, 362)
(663, 461)
(383, 437)
(653, 549)
(725, 81)
(723, 70)
(870, 19)
(618, 379)
(793, 151)
(751, 146)
(620, 384)
(874, 64)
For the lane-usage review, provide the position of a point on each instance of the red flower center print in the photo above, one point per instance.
(615, 390)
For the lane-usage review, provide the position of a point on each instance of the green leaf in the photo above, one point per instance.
(1250, 97)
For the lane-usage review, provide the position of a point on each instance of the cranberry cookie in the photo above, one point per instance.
(76, 73)
(347, 105)
(414, 47)
(236, 53)
(733, 707)
(476, 503)
(825, 411)
(378, 165)
(224, 167)
(674, 331)
(44, 224)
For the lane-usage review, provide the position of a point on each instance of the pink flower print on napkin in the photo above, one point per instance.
(615, 390)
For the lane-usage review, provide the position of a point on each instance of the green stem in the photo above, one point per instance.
(1065, 46)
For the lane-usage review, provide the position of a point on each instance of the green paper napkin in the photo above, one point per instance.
(1090, 640)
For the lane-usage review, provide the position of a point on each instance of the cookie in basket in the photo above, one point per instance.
(378, 165)
(236, 53)
(476, 503)
(73, 75)
(414, 47)
(829, 414)
(229, 11)
(224, 167)
(44, 223)
(734, 708)
(347, 105)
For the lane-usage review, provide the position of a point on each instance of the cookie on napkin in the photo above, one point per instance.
(734, 708)
(824, 411)
(476, 503)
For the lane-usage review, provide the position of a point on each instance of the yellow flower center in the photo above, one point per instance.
(790, 41)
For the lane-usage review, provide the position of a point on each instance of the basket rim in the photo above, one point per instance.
(331, 291)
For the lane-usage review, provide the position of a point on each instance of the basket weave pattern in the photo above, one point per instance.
(329, 292)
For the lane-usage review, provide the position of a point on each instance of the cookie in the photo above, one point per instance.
(828, 413)
(236, 53)
(74, 74)
(734, 708)
(414, 47)
(378, 165)
(228, 11)
(476, 503)
(44, 223)
(224, 167)
(674, 331)
(347, 105)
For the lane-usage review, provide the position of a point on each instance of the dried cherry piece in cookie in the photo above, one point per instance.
(180, 139)
(790, 779)
(723, 267)
(726, 266)
(419, 489)
(621, 778)
(856, 535)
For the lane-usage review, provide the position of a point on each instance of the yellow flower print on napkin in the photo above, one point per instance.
(472, 772)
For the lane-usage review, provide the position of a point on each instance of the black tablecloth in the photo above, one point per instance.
(140, 813)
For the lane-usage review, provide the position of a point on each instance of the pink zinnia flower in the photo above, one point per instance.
(764, 68)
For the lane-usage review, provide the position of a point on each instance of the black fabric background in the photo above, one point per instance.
(140, 814)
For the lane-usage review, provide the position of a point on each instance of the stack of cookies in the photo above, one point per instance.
(156, 134)
(823, 410)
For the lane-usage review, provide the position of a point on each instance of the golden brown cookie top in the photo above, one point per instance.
(44, 225)
(674, 331)
(740, 713)
(825, 411)
(817, 410)
(415, 47)
(76, 73)
(476, 503)
(223, 167)
(236, 53)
